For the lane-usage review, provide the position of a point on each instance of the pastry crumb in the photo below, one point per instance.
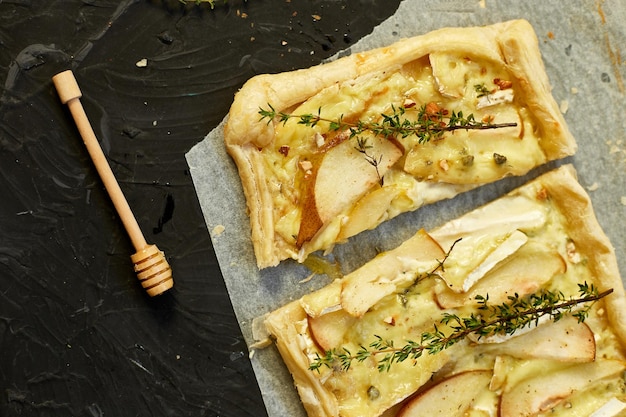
(623, 200)
(142, 63)
(564, 106)
(307, 279)
(218, 230)
(593, 186)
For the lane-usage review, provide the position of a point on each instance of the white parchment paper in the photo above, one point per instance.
(580, 41)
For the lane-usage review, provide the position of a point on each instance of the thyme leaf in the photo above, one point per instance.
(481, 90)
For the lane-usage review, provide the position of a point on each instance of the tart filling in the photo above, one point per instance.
(541, 238)
(316, 171)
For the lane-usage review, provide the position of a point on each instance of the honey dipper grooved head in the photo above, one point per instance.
(153, 270)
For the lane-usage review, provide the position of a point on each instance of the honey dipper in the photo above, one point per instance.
(151, 266)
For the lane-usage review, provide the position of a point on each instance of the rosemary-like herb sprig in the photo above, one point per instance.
(429, 124)
(506, 318)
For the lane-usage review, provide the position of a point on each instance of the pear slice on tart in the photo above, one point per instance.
(566, 341)
(451, 397)
(328, 330)
(542, 392)
(339, 177)
(389, 273)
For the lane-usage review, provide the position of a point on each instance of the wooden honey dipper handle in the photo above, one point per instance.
(152, 269)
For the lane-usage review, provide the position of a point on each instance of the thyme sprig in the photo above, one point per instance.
(363, 147)
(431, 122)
(505, 318)
(433, 273)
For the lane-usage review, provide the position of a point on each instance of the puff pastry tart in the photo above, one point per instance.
(311, 185)
(541, 238)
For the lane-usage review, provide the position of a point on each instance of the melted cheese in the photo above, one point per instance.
(409, 311)
(427, 172)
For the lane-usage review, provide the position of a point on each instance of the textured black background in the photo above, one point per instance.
(78, 336)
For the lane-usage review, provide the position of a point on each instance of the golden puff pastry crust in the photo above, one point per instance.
(308, 188)
(563, 246)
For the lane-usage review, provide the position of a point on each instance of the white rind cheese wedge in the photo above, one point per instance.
(560, 368)
(475, 255)
(611, 408)
(309, 187)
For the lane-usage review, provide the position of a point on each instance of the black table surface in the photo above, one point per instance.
(78, 334)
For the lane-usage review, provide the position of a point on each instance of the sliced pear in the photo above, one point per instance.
(369, 211)
(328, 330)
(310, 221)
(338, 177)
(524, 273)
(565, 340)
(542, 392)
(345, 174)
(451, 397)
(389, 272)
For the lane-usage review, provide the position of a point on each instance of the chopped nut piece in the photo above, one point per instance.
(390, 320)
(284, 150)
(433, 110)
(499, 159)
(467, 160)
(542, 194)
(306, 165)
(408, 103)
(502, 84)
(443, 164)
(488, 118)
(218, 230)
(572, 254)
(319, 139)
